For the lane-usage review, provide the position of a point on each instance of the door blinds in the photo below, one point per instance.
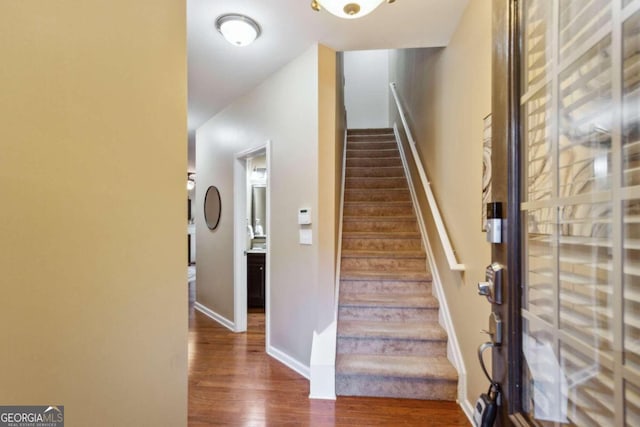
(580, 110)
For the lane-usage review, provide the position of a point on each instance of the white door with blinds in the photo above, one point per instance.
(580, 142)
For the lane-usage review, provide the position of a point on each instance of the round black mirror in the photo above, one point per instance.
(212, 207)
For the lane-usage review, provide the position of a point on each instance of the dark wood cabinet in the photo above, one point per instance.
(255, 280)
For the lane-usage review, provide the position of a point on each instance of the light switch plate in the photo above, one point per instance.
(305, 236)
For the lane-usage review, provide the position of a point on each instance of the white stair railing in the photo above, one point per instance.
(433, 205)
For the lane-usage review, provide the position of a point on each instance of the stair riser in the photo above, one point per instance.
(392, 347)
(367, 145)
(368, 154)
(370, 131)
(391, 172)
(370, 138)
(388, 314)
(397, 277)
(377, 183)
(383, 264)
(376, 210)
(374, 163)
(383, 286)
(380, 226)
(382, 244)
(376, 195)
(407, 388)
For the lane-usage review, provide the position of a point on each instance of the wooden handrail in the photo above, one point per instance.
(433, 205)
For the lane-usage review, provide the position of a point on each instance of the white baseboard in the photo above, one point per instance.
(322, 383)
(215, 316)
(289, 361)
(467, 408)
(454, 354)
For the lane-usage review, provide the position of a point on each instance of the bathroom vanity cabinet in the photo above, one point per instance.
(255, 279)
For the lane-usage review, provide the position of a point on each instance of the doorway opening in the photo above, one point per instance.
(251, 240)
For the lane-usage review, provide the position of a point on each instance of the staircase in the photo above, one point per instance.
(390, 343)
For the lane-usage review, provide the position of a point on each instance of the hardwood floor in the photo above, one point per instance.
(232, 382)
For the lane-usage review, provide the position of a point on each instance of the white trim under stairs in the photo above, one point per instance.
(322, 381)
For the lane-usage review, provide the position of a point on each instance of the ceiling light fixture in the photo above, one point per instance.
(347, 9)
(239, 30)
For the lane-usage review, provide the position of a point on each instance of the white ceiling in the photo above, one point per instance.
(220, 72)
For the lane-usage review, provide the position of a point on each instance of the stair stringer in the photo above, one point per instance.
(444, 315)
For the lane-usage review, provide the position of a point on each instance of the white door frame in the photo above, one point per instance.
(240, 238)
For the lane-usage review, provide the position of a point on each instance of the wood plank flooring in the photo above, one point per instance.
(232, 382)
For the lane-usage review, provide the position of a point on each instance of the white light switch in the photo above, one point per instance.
(305, 236)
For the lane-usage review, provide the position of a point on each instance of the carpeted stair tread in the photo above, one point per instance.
(409, 282)
(371, 153)
(397, 169)
(370, 138)
(376, 182)
(352, 253)
(381, 234)
(379, 218)
(389, 300)
(380, 286)
(358, 180)
(377, 195)
(391, 157)
(432, 368)
(374, 136)
(428, 331)
(372, 192)
(388, 171)
(377, 190)
(369, 203)
(386, 244)
(367, 213)
(410, 276)
(371, 145)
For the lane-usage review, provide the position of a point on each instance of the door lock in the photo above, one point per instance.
(492, 286)
(484, 289)
(495, 329)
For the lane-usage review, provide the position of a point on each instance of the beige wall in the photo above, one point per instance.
(285, 110)
(447, 93)
(367, 88)
(328, 177)
(341, 129)
(93, 313)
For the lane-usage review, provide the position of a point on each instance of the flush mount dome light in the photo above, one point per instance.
(239, 30)
(348, 9)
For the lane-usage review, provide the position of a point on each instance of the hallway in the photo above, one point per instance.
(233, 382)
